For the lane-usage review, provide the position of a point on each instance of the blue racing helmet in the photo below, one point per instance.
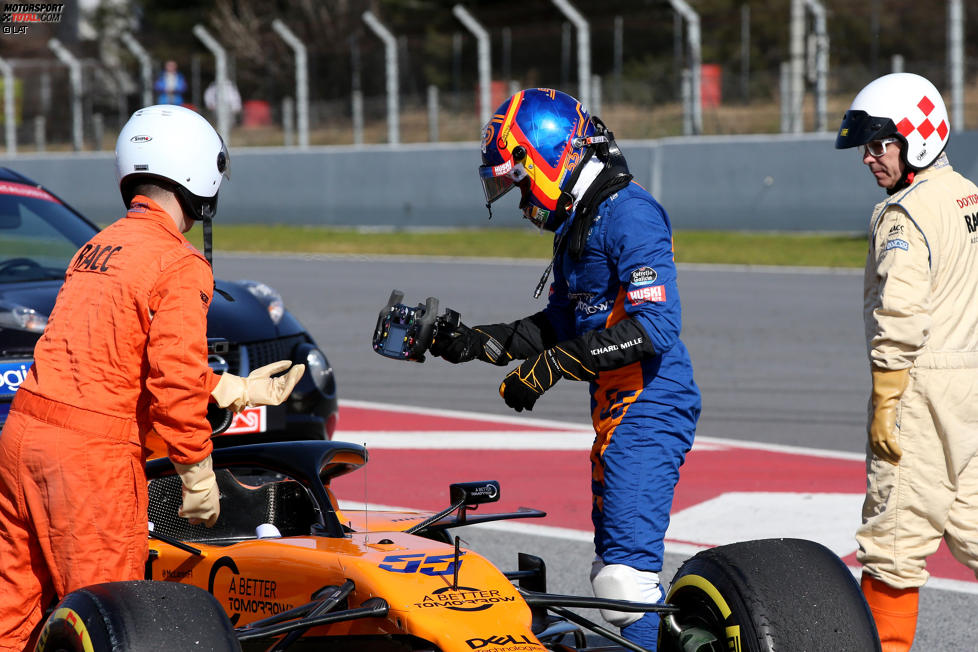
(535, 140)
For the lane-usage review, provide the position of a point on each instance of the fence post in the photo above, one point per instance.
(583, 50)
(9, 116)
(432, 113)
(75, 77)
(145, 66)
(797, 58)
(955, 62)
(693, 105)
(485, 76)
(821, 63)
(288, 124)
(220, 81)
(39, 130)
(390, 58)
(301, 80)
(687, 94)
(785, 88)
(98, 130)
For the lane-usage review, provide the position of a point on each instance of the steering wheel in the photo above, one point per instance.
(14, 263)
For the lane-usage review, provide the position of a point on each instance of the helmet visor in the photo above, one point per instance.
(497, 180)
(859, 128)
(224, 160)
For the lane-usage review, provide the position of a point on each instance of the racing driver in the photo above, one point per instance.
(123, 357)
(613, 319)
(921, 318)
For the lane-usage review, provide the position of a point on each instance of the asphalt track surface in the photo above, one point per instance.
(778, 355)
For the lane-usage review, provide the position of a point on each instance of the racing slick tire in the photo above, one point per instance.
(138, 616)
(769, 595)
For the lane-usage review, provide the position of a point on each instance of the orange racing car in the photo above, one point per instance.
(285, 569)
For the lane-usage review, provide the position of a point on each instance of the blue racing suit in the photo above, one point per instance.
(613, 317)
(645, 412)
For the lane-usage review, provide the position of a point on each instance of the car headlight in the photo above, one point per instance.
(269, 297)
(21, 318)
(317, 368)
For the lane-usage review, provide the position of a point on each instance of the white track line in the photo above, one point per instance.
(565, 436)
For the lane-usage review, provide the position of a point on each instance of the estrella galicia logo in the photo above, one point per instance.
(12, 374)
(644, 276)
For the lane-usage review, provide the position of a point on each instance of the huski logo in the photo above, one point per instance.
(656, 293)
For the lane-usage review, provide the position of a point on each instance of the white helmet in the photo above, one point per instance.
(901, 105)
(170, 143)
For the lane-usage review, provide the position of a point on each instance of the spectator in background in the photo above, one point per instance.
(921, 323)
(231, 96)
(170, 85)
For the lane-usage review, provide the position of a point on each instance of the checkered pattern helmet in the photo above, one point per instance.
(901, 105)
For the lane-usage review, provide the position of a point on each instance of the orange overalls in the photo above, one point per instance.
(124, 352)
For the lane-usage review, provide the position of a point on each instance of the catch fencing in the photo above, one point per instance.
(651, 71)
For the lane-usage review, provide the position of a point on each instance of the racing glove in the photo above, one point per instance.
(888, 387)
(259, 388)
(524, 385)
(497, 344)
(201, 497)
(464, 344)
(581, 358)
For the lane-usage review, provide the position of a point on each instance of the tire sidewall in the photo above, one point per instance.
(66, 630)
(704, 584)
(137, 615)
(773, 594)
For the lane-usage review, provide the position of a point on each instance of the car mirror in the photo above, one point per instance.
(474, 493)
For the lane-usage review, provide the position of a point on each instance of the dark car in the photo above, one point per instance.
(40, 234)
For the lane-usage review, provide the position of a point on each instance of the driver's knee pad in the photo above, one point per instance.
(620, 582)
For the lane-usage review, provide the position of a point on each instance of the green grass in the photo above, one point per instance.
(723, 247)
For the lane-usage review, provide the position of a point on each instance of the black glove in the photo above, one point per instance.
(464, 344)
(524, 385)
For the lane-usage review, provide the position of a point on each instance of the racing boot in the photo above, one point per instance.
(895, 613)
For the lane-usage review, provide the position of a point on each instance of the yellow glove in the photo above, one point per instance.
(201, 497)
(258, 388)
(888, 387)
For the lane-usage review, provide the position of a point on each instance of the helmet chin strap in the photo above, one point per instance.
(565, 202)
(207, 225)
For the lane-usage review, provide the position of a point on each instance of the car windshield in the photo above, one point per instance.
(38, 235)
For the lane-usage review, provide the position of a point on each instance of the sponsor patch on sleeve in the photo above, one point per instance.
(644, 276)
(647, 294)
(897, 243)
